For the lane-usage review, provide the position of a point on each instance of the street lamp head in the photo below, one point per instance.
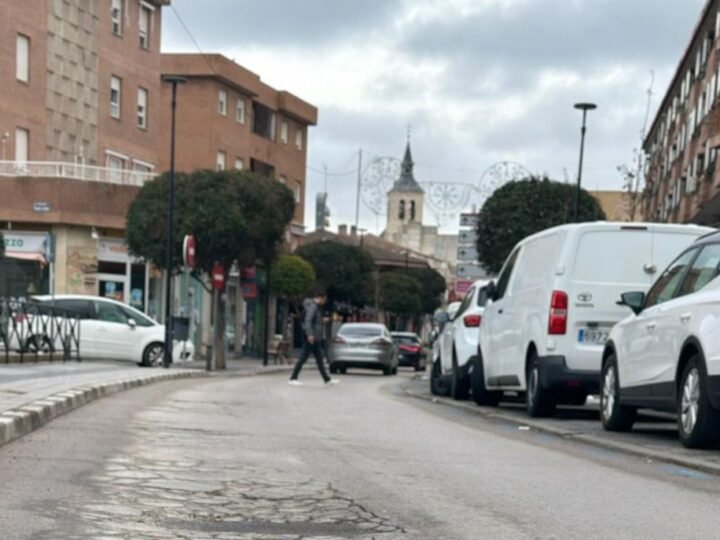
(174, 79)
(586, 106)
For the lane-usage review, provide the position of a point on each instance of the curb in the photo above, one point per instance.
(583, 438)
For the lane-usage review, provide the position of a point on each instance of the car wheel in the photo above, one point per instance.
(387, 371)
(343, 370)
(459, 386)
(436, 386)
(153, 355)
(38, 344)
(614, 416)
(698, 421)
(540, 402)
(394, 370)
(481, 395)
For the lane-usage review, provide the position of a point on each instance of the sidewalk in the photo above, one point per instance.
(33, 394)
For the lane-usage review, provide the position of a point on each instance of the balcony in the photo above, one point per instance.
(74, 171)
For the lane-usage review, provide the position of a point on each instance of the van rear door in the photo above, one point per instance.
(608, 262)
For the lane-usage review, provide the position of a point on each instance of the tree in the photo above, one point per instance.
(293, 277)
(345, 271)
(432, 287)
(400, 295)
(520, 209)
(234, 216)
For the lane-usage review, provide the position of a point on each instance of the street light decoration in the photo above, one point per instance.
(584, 107)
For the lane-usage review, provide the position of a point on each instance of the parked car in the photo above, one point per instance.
(458, 344)
(113, 330)
(411, 352)
(555, 303)
(666, 355)
(363, 345)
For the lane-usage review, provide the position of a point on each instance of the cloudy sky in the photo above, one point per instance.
(479, 81)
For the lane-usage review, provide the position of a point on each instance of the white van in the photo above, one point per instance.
(554, 303)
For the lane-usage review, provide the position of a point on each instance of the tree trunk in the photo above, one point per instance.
(219, 341)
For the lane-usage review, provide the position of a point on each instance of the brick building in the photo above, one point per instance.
(682, 183)
(79, 121)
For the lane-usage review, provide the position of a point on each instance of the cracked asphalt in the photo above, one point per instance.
(256, 459)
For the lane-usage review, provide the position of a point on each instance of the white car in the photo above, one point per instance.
(555, 303)
(458, 344)
(113, 330)
(666, 355)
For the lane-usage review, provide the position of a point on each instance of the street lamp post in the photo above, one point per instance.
(167, 358)
(584, 107)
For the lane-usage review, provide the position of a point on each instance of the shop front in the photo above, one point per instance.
(26, 269)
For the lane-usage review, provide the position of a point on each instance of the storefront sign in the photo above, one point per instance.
(41, 207)
(249, 291)
(248, 274)
(28, 246)
(115, 250)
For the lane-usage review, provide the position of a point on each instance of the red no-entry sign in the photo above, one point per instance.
(218, 276)
(189, 258)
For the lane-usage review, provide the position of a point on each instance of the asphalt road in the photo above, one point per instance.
(255, 458)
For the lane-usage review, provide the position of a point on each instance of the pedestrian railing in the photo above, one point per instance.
(39, 331)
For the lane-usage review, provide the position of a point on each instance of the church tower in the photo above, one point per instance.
(405, 200)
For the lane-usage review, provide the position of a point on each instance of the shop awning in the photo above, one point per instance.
(38, 257)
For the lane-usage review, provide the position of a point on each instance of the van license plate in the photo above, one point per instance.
(593, 336)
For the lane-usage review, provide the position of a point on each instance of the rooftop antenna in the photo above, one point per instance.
(325, 169)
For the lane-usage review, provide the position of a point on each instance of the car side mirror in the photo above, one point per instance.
(132, 324)
(491, 290)
(633, 300)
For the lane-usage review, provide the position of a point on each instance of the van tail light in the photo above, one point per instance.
(410, 348)
(338, 339)
(472, 321)
(557, 325)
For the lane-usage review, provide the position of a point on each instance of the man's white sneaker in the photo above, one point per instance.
(333, 381)
(294, 382)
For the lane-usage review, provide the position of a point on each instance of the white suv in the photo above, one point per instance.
(555, 303)
(666, 355)
(458, 344)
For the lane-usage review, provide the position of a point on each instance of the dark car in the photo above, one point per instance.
(410, 350)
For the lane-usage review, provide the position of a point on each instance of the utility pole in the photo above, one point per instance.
(584, 107)
(357, 196)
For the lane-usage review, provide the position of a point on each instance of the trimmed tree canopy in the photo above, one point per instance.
(520, 209)
(345, 271)
(400, 293)
(432, 287)
(234, 215)
(292, 276)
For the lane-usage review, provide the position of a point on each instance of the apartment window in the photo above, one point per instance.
(284, 132)
(221, 160)
(144, 25)
(297, 190)
(299, 139)
(116, 164)
(222, 102)
(263, 121)
(239, 164)
(142, 108)
(23, 58)
(116, 17)
(240, 111)
(115, 96)
(22, 145)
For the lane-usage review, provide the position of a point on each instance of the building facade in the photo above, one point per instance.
(682, 143)
(79, 121)
(405, 212)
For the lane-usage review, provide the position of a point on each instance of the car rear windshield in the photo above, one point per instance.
(360, 331)
(406, 340)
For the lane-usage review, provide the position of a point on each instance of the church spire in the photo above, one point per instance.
(407, 182)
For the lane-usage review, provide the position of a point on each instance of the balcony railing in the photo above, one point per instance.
(74, 171)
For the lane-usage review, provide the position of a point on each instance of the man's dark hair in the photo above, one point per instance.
(318, 292)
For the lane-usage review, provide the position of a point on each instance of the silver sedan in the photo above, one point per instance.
(363, 345)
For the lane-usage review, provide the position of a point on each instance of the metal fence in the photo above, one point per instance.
(75, 171)
(39, 331)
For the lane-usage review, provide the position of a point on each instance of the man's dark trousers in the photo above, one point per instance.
(316, 349)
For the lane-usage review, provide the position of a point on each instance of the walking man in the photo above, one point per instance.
(313, 334)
